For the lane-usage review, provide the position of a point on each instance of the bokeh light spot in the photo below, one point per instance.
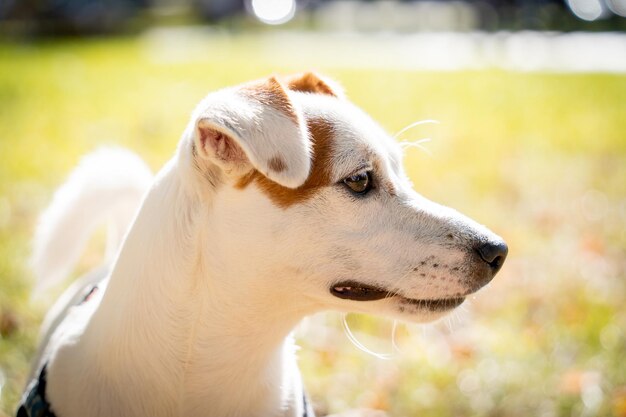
(274, 12)
(617, 6)
(586, 9)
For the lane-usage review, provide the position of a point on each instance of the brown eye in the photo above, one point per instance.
(359, 183)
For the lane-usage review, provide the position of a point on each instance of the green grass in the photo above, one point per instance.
(539, 158)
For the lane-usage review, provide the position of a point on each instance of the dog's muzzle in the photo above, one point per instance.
(485, 260)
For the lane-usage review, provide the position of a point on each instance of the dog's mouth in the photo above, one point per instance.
(355, 291)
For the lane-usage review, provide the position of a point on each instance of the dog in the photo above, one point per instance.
(283, 199)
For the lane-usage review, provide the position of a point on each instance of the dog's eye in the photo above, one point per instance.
(359, 183)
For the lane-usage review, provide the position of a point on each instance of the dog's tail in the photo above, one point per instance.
(107, 186)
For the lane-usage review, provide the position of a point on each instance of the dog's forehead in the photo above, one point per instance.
(356, 138)
(344, 141)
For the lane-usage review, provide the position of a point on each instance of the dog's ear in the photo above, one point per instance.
(255, 126)
(311, 82)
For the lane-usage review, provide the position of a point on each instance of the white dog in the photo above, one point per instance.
(283, 199)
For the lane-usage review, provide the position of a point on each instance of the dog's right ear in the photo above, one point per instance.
(255, 126)
(311, 82)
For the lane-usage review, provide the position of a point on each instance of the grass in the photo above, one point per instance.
(539, 158)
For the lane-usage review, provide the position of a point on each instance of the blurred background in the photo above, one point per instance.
(531, 100)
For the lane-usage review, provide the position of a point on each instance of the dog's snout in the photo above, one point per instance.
(494, 253)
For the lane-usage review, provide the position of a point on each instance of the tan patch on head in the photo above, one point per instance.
(271, 93)
(320, 176)
(277, 164)
(310, 83)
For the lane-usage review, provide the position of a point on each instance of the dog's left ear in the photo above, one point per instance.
(255, 126)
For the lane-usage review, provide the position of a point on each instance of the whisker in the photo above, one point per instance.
(414, 124)
(394, 345)
(359, 345)
(417, 144)
(410, 143)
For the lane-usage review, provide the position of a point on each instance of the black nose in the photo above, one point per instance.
(494, 253)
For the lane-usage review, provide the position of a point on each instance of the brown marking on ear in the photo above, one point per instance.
(271, 93)
(320, 176)
(309, 82)
(277, 163)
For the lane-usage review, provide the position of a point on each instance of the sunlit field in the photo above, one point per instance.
(539, 158)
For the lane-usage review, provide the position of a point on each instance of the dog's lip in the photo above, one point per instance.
(356, 291)
(352, 290)
(434, 305)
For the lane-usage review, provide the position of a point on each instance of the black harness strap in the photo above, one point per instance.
(34, 403)
(305, 405)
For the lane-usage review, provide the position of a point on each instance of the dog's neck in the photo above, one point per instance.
(170, 321)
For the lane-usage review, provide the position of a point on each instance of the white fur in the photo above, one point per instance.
(107, 186)
(211, 279)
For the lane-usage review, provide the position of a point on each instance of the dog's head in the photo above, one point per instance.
(310, 204)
